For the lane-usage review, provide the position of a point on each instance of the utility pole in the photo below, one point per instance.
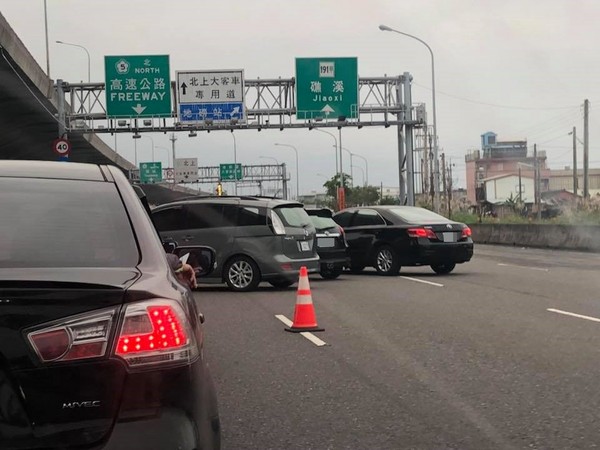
(450, 189)
(575, 180)
(536, 176)
(444, 176)
(520, 187)
(586, 147)
(431, 177)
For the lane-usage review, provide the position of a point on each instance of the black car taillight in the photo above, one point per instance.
(79, 337)
(466, 232)
(155, 332)
(421, 233)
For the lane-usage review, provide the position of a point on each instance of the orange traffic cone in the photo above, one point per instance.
(304, 314)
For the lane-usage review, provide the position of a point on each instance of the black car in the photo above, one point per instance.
(331, 243)
(389, 237)
(256, 239)
(101, 347)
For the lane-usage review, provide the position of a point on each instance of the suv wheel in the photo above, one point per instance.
(242, 274)
(331, 271)
(386, 261)
(442, 269)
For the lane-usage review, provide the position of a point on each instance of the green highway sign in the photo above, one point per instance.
(138, 86)
(230, 172)
(326, 88)
(150, 172)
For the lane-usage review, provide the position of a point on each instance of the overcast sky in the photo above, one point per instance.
(520, 68)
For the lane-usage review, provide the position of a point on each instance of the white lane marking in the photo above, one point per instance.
(311, 337)
(423, 281)
(579, 316)
(541, 269)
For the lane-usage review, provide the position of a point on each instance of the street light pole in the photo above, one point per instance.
(366, 166)
(47, 42)
(336, 146)
(86, 51)
(363, 173)
(436, 173)
(152, 145)
(351, 166)
(235, 190)
(297, 170)
(277, 162)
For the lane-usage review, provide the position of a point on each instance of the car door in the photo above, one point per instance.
(170, 223)
(213, 225)
(364, 230)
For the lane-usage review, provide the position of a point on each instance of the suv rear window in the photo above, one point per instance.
(64, 223)
(293, 216)
(323, 222)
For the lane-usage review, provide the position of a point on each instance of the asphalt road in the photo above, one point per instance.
(486, 357)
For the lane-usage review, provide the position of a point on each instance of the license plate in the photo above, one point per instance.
(326, 242)
(449, 237)
(305, 246)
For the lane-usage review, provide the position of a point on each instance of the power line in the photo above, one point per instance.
(492, 104)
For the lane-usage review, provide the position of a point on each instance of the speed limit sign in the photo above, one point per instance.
(61, 147)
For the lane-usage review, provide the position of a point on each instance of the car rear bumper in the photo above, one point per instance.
(285, 267)
(438, 253)
(333, 256)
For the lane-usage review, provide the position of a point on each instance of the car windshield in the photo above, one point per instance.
(323, 222)
(64, 223)
(293, 216)
(417, 215)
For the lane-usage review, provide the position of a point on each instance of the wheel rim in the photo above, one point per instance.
(384, 260)
(241, 274)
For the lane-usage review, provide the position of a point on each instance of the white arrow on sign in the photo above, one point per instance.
(327, 109)
(139, 108)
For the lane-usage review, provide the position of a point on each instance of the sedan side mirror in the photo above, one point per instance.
(201, 258)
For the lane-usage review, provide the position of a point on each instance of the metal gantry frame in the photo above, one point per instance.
(270, 104)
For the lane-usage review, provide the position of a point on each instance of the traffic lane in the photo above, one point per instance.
(572, 286)
(545, 258)
(522, 374)
(277, 390)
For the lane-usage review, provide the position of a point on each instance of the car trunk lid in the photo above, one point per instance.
(298, 240)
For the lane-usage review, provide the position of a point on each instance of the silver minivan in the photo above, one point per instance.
(256, 239)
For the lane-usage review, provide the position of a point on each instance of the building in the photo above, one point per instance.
(563, 180)
(501, 158)
(500, 188)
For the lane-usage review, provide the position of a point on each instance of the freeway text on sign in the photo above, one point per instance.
(186, 170)
(210, 95)
(326, 88)
(138, 86)
(150, 172)
(230, 172)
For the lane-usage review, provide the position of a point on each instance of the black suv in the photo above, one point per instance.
(100, 346)
(331, 243)
(256, 239)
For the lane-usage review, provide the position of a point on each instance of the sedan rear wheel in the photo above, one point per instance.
(330, 271)
(386, 261)
(442, 269)
(242, 274)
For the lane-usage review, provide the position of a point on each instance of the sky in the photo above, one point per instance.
(520, 68)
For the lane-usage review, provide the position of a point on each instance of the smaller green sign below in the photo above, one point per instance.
(151, 172)
(230, 172)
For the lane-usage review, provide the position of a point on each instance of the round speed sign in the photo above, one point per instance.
(61, 147)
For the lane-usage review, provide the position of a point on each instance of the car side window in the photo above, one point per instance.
(367, 217)
(251, 215)
(343, 218)
(169, 219)
(204, 215)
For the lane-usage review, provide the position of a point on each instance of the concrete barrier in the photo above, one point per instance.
(568, 237)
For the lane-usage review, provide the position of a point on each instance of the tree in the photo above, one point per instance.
(333, 184)
(360, 196)
(387, 200)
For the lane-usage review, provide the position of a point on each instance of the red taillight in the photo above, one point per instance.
(155, 331)
(421, 233)
(466, 232)
(76, 338)
(158, 328)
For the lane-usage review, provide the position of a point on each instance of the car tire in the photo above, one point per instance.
(281, 283)
(242, 274)
(386, 261)
(442, 269)
(330, 271)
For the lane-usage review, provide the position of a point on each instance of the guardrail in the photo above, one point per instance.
(567, 237)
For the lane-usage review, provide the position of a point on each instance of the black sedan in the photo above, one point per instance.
(101, 346)
(331, 243)
(389, 237)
